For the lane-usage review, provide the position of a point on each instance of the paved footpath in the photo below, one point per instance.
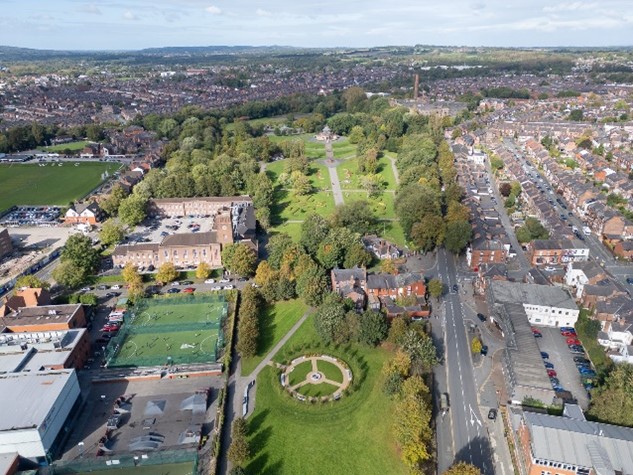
(331, 164)
(237, 385)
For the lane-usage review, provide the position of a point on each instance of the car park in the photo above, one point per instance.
(544, 355)
(481, 317)
(492, 414)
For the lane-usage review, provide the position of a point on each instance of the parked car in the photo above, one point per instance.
(102, 287)
(484, 350)
(229, 287)
(558, 388)
(573, 341)
(554, 381)
(568, 334)
(175, 283)
(189, 290)
(455, 288)
(109, 329)
(588, 386)
(548, 365)
(581, 359)
(481, 317)
(224, 281)
(544, 355)
(568, 329)
(209, 281)
(86, 289)
(115, 287)
(186, 282)
(551, 373)
(173, 291)
(492, 414)
(112, 294)
(578, 350)
(629, 280)
(537, 334)
(588, 372)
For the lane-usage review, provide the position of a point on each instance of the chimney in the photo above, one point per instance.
(416, 87)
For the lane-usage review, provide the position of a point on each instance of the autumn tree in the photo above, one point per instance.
(167, 273)
(612, 402)
(111, 232)
(203, 271)
(435, 288)
(397, 330)
(412, 423)
(475, 345)
(239, 451)
(239, 259)
(69, 274)
(388, 266)
(462, 468)
(31, 281)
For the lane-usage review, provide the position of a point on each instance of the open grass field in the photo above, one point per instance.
(317, 173)
(51, 184)
(393, 232)
(289, 207)
(314, 149)
(343, 149)
(350, 177)
(291, 229)
(275, 322)
(185, 329)
(74, 146)
(351, 436)
(330, 371)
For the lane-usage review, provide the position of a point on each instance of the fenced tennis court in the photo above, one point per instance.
(170, 331)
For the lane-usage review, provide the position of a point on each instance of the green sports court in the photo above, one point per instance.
(172, 330)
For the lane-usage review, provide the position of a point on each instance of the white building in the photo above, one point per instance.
(35, 407)
(577, 274)
(544, 305)
(615, 336)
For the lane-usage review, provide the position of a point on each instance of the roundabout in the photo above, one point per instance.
(316, 378)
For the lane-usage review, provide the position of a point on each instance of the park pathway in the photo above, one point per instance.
(396, 175)
(237, 385)
(330, 163)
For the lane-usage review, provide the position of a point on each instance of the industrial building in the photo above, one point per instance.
(35, 409)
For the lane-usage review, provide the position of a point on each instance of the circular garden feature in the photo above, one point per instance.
(316, 378)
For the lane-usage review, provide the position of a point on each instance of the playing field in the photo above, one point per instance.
(171, 330)
(51, 184)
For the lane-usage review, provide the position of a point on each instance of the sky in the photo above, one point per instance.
(137, 24)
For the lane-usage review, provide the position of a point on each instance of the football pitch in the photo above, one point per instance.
(172, 330)
(51, 184)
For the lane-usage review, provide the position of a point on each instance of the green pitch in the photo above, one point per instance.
(177, 330)
(51, 184)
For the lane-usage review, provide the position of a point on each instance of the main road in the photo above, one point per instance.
(469, 435)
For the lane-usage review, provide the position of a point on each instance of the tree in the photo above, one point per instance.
(312, 285)
(420, 348)
(69, 274)
(301, 184)
(429, 233)
(111, 232)
(277, 247)
(458, 236)
(31, 281)
(265, 274)
(613, 401)
(475, 345)
(111, 204)
(436, 288)
(356, 134)
(357, 216)
(397, 330)
(78, 250)
(412, 423)
(314, 230)
(239, 451)
(415, 201)
(167, 273)
(357, 255)
(462, 468)
(505, 189)
(393, 384)
(576, 115)
(329, 317)
(203, 271)
(130, 273)
(388, 266)
(132, 209)
(239, 259)
(373, 328)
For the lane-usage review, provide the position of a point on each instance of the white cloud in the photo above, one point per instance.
(261, 12)
(129, 15)
(569, 7)
(213, 10)
(92, 9)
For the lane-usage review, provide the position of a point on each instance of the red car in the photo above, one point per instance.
(568, 334)
(110, 329)
(551, 373)
(573, 341)
(188, 290)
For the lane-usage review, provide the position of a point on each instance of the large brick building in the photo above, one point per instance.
(233, 221)
(45, 318)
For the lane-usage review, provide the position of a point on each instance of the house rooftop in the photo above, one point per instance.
(41, 315)
(531, 294)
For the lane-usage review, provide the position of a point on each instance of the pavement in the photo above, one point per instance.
(331, 164)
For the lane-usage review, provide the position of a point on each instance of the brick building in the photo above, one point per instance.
(202, 206)
(6, 246)
(45, 318)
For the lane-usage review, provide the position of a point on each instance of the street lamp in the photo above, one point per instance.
(81, 449)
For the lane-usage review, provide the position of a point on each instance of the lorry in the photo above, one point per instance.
(444, 402)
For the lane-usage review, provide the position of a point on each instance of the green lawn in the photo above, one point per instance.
(51, 184)
(275, 322)
(299, 373)
(330, 371)
(290, 207)
(343, 149)
(350, 177)
(317, 173)
(74, 146)
(350, 436)
(392, 231)
(317, 390)
(291, 229)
